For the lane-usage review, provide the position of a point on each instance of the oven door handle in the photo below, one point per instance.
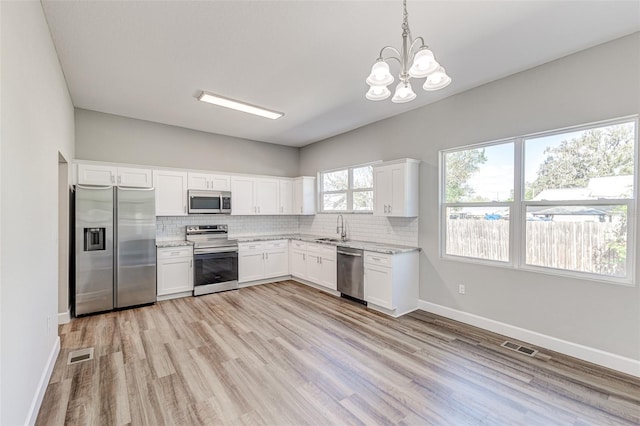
(215, 250)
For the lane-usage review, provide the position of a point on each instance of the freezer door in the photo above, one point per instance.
(94, 250)
(135, 247)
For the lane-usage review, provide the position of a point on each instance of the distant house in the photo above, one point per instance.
(609, 187)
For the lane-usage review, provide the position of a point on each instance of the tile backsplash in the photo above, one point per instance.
(173, 227)
(362, 227)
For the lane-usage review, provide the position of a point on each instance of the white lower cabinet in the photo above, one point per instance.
(298, 259)
(391, 282)
(315, 263)
(174, 271)
(262, 260)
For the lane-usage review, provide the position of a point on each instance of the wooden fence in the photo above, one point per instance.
(577, 246)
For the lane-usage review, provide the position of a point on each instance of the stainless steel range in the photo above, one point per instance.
(215, 259)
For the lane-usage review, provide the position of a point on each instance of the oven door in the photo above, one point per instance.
(205, 202)
(215, 272)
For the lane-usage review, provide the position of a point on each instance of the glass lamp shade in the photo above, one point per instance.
(380, 75)
(424, 64)
(404, 93)
(437, 80)
(378, 93)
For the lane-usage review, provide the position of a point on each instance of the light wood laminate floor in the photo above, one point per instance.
(285, 353)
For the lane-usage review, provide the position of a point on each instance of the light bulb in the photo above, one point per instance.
(437, 80)
(424, 64)
(404, 93)
(378, 93)
(380, 75)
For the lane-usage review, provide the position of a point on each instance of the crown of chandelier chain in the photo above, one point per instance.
(405, 20)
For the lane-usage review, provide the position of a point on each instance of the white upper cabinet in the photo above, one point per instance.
(304, 195)
(137, 178)
(266, 196)
(205, 181)
(395, 188)
(90, 174)
(94, 174)
(242, 192)
(254, 196)
(285, 196)
(171, 192)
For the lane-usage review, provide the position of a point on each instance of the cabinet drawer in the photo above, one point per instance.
(170, 252)
(372, 258)
(279, 244)
(255, 246)
(300, 245)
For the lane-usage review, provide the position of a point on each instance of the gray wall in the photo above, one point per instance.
(106, 137)
(592, 85)
(37, 126)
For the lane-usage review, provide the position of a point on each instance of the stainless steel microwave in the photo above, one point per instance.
(209, 202)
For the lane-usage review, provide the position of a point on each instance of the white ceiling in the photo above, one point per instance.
(309, 59)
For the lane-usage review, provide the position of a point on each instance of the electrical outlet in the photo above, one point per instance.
(49, 323)
(462, 289)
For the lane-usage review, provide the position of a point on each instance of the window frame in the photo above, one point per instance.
(348, 192)
(518, 208)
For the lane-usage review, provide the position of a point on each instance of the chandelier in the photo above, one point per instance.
(416, 62)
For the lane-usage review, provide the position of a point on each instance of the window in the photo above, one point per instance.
(479, 198)
(347, 190)
(555, 202)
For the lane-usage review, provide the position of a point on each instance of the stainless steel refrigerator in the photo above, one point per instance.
(115, 248)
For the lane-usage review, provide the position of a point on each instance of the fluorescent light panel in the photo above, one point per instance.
(238, 106)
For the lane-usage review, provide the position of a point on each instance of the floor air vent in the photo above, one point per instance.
(518, 348)
(80, 355)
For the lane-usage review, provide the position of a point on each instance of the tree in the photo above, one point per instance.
(460, 165)
(595, 153)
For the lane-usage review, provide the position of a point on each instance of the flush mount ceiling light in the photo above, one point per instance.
(416, 62)
(238, 106)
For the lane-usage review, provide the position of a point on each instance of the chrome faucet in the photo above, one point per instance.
(340, 229)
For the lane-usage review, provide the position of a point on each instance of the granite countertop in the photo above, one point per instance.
(173, 243)
(364, 245)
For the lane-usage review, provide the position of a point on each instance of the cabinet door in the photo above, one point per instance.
(250, 266)
(266, 196)
(286, 197)
(198, 181)
(220, 182)
(171, 193)
(134, 178)
(276, 263)
(175, 275)
(298, 264)
(329, 273)
(397, 201)
(304, 195)
(382, 190)
(89, 174)
(378, 288)
(314, 268)
(242, 190)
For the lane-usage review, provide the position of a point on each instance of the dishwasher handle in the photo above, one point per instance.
(349, 254)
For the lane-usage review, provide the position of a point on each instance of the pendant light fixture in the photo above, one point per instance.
(416, 62)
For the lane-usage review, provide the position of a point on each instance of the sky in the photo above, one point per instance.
(494, 180)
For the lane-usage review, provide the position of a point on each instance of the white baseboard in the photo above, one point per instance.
(174, 296)
(316, 286)
(264, 281)
(42, 385)
(64, 317)
(586, 353)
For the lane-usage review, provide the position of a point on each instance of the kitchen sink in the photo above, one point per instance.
(328, 240)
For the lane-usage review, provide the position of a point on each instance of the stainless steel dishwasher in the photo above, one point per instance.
(351, 273)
